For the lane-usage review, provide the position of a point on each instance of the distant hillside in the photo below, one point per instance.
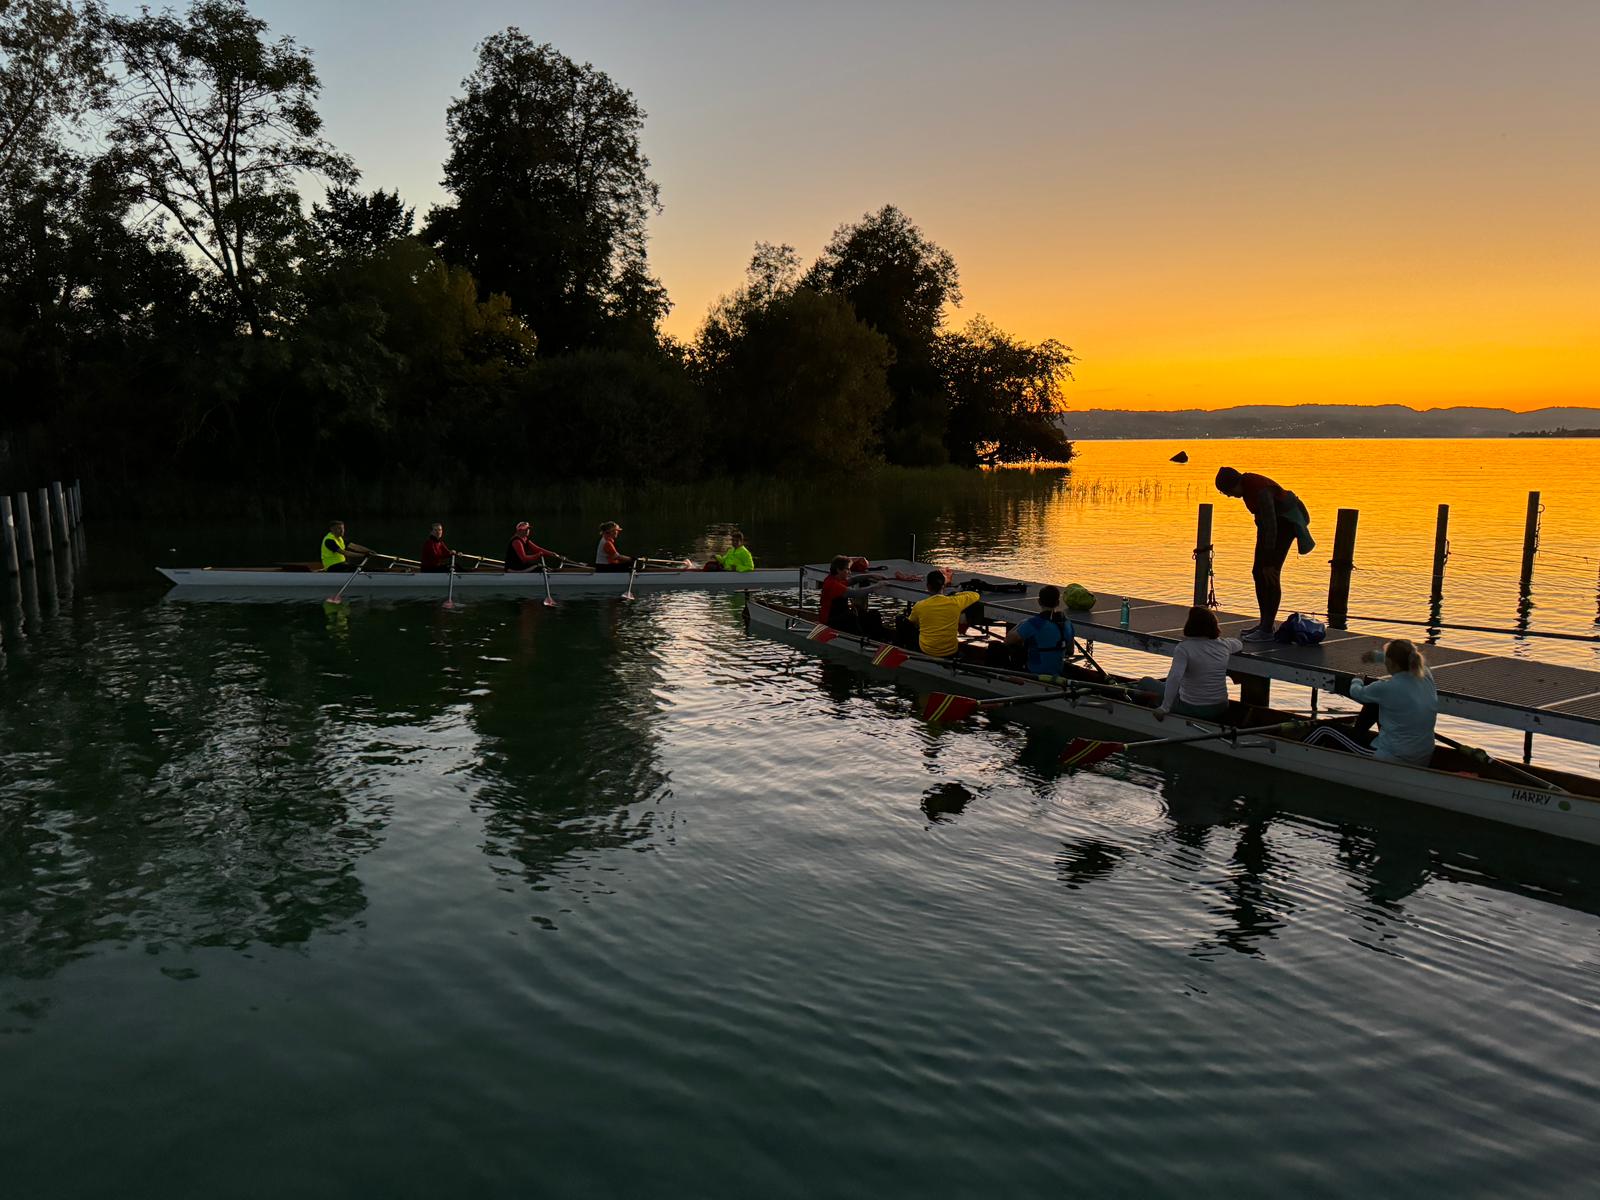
(1323, 420)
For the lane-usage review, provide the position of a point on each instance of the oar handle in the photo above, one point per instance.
(1277, 727)
(1526, 776)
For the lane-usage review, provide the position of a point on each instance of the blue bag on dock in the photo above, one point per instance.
(1300, 631)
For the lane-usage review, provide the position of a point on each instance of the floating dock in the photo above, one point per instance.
(1513, 693)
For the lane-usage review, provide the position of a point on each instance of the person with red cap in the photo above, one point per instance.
(525, 554)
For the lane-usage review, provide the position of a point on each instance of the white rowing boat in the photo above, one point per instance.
(1566, 805)
(303, 581)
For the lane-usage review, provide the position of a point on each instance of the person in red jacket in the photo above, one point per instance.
(525, 554)
(436, 555)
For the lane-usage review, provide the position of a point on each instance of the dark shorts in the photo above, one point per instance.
(1270, 561)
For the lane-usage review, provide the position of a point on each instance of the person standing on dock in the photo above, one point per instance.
(1281, 521)
(334, 549)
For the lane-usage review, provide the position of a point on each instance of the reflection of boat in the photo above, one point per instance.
(289, 580)
(1566, 805)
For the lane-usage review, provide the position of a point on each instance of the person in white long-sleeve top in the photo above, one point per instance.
(1197, 684)
(1407, 708)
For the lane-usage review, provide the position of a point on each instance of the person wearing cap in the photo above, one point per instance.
(525, 554)
(736, 558)
(435, 554)
(606, 555)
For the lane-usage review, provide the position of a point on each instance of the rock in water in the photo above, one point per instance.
(1182, 456)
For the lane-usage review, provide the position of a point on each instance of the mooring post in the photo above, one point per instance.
(1441, 551)
(913, 549)
(77, 503)
(24, 520)
(1202, 558)
(1343, 562)
(58, 510)
(1530, 542)
(46, 544)
(8, 537)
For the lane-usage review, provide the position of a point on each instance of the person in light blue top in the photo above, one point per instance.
(1407, 706)
(1047, 636)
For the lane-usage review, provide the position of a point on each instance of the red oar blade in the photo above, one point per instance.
(943, 709)
(1085, 752)
(890, 657)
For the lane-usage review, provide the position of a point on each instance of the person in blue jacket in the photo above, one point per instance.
(1046, 637)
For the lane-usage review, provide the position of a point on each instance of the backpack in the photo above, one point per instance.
(1300, 631)
(1078, 598)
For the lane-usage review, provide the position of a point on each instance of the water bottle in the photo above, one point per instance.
(1124, 618)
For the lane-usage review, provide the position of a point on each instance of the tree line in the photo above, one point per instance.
(172, 307)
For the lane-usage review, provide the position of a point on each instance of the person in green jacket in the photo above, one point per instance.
(736, 558)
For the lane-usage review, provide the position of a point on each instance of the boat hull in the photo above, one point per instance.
(320, 583)
(1552, 811)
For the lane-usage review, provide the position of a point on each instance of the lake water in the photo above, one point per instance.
(614, 900)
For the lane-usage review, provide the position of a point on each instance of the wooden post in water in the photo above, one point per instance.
(8, 537)
(77, 503)
(1530, 542)
(24, 530)
(1202, 558)
(58, 510)
(46, 545)
(1344, 550)
(1441, 551)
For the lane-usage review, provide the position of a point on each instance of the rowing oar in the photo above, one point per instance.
(338, 597)
(942, 708)
(450, 596)
(545, 571)
(1479, 755)
(1085, 752)
(632, 571)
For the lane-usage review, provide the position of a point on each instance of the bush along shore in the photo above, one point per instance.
(164, 328)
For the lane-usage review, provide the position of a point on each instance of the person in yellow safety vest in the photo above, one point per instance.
(938, 617)
(334, 548)
(736, 558)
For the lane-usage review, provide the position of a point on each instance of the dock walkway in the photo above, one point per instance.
(1513, 693)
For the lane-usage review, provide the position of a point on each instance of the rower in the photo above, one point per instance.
(842, 603)
(436, 556)
(1046, 637)
(938, 617)
(606, 555)
(1407, 705)
(736, 558)
(1197, 684)
(525, 554)
(334, 547)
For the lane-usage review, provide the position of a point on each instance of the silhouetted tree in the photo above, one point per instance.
(551, 193)
(50, 72)
(1003, 394)
(795, 382)
(212, 124)
(352, 224)
(898, 282)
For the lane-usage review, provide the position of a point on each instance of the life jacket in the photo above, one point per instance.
(332, 558)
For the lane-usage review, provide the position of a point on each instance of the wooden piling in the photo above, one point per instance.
(58, 512)
(1441, 552)
(46, 544)
(1343, 562)
(1530, 542)
(1203, 555)
(8, 538)
(24, 520)
(77, 503)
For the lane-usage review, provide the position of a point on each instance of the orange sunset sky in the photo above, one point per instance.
(1213, 203)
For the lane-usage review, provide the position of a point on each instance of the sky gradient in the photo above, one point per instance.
(1212, 202)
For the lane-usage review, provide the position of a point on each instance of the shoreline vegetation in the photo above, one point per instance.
(196, 298)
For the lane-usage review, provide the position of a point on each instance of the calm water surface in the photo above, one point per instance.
(613, 900)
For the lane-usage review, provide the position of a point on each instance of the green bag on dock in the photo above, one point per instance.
(1077, 597)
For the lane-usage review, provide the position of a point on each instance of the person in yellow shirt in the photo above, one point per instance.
(938, 618)
(736, 558)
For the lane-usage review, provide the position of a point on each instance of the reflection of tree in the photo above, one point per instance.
(1085, 860)
(945, 801)
(190, 790)
(567, 733)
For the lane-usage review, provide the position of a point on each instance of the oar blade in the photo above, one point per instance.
(941, 708)
(1085, 752)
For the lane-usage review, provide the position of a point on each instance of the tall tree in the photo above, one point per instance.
(50, 73)
(899, 283)
(551, 193)
(1004, 395)
(212, 124)
(352, 224)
